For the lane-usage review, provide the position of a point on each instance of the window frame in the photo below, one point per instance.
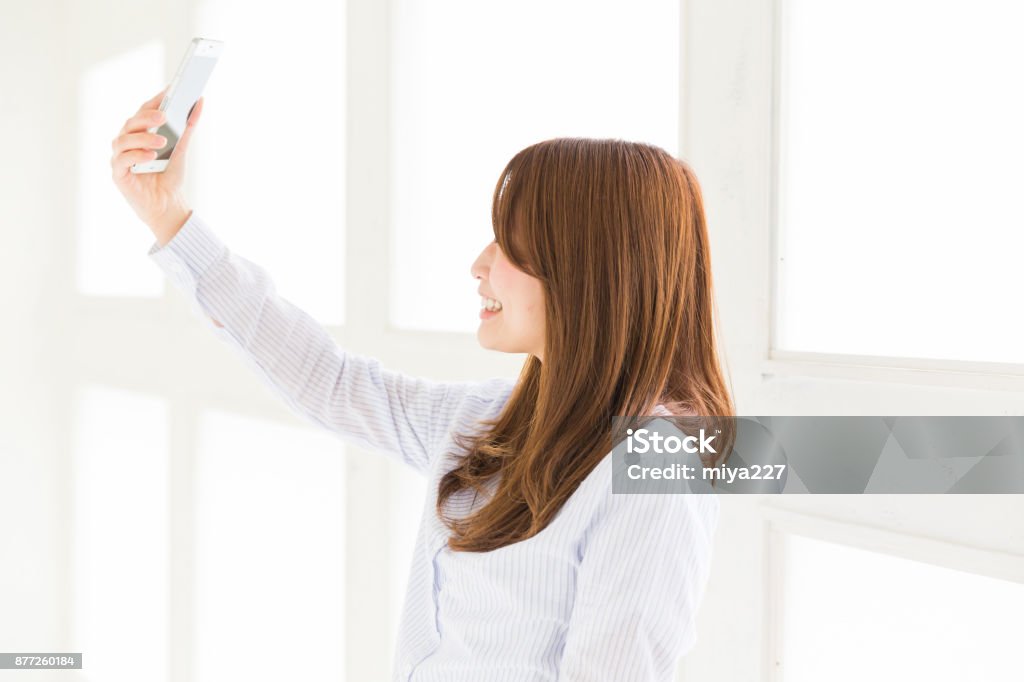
(732, 109)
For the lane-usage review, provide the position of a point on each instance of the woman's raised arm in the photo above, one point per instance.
(348, 394)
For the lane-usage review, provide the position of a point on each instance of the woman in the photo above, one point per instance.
(526, 567)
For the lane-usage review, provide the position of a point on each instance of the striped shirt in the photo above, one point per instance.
(608, 591)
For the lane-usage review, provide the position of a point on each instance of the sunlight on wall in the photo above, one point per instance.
(270, 522)
(120, 531)
(900, 151)
(474, 84)
(111, 240)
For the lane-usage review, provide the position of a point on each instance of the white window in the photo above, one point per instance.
(108, 235)
(476, 82)
(270, 153)
(120, 533)
(900, 222)
(270, 551)
(848, 614)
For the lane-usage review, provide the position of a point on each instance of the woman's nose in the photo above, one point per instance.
(482, 263)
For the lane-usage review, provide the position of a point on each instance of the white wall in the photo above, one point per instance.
(33, 188)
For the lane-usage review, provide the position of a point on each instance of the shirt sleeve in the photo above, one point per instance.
(639, 584)
(348, 394)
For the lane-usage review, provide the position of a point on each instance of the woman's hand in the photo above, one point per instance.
(155, 197)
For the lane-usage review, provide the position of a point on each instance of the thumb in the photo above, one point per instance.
(181, 148)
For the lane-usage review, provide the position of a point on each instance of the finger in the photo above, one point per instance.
(144, 120)
(181, 148)
(196, 112)
(138, 141)
(154, 101)
(121, 163)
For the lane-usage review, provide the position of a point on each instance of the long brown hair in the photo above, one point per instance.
(615, 232)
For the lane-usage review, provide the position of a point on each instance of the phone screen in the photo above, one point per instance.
(187, 91)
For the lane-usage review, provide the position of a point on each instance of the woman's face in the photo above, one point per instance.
(517, 326)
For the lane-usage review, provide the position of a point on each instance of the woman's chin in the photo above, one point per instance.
(483, 338)
(487, 338)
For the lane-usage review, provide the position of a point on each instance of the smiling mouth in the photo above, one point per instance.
(490, 305)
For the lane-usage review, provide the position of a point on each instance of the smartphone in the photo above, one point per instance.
(182, 94)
